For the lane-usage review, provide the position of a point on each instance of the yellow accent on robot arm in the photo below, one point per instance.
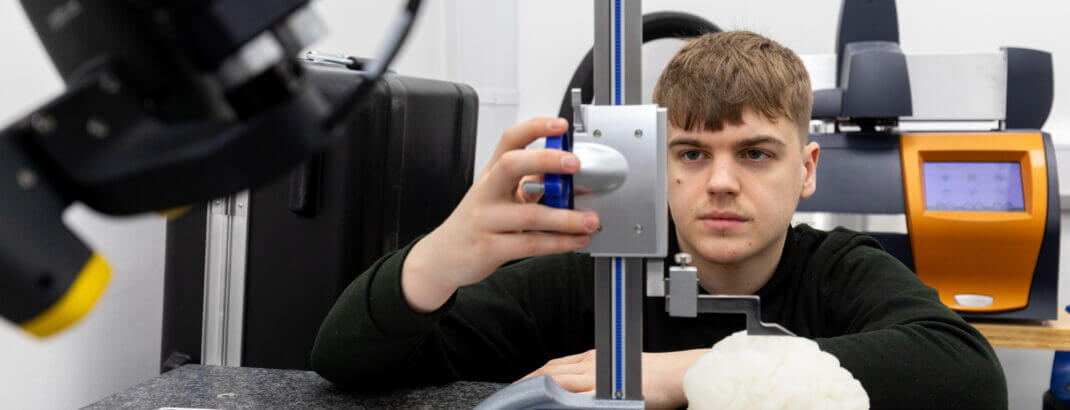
(79, 299)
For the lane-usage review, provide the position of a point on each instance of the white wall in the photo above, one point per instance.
(519, 55)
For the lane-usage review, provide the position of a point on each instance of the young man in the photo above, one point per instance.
(442, 309)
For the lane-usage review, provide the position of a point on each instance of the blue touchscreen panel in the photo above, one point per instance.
(973, 186)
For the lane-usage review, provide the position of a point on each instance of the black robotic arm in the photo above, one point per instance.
(168, 103)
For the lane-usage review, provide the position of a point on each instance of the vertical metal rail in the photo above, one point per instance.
(618, 280)
(224, 280)
(619, 332)
(618, 52)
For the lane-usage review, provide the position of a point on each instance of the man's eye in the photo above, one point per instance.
(691, 156)
(756, 155)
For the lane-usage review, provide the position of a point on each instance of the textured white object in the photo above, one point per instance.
(771, 372)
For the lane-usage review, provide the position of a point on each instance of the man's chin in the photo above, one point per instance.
(724, 251)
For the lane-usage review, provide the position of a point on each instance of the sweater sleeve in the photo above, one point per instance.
(496, 330)
(906, 348)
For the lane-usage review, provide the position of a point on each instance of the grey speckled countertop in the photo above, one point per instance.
(196, 386)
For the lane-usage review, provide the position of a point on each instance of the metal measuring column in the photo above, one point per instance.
(634, 215)
(622, 148)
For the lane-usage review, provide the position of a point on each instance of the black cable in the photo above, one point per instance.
(373, 72)
(656, 26)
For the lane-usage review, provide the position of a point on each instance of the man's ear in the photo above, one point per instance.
(810, 154)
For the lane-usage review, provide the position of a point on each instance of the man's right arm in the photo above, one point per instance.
(495, 330)
(368, 338)
(390, 308)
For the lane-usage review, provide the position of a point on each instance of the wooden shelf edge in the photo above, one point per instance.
(1046, 335)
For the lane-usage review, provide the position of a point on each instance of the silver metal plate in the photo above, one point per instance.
(634, 216)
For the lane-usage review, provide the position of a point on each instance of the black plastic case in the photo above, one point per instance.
(403, 166)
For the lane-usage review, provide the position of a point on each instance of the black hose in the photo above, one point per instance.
(656, 26)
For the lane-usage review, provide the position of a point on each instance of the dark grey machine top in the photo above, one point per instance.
(196, 386)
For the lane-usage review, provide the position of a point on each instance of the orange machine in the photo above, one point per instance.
(981, 208)
(977, 207)
(982, 211)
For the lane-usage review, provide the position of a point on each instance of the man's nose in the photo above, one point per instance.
(723, 178)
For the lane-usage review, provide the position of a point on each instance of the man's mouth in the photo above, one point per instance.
(723, 220)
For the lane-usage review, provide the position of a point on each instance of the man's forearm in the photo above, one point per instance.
(663, 376)
(424, 291)
(369, 337)
(932, 365)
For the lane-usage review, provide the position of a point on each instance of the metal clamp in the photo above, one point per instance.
(683, 300)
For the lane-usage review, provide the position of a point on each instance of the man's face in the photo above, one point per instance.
(732, 192)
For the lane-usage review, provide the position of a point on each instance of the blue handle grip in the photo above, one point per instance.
(557, 188)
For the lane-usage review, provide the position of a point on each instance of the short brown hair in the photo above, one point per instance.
(714, 78)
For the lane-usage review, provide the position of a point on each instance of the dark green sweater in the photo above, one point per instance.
(837, 288)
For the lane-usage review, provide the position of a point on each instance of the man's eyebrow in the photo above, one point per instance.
(761, 139)
(749, 142)
(687, 141)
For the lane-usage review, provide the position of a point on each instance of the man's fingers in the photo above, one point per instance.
(576, 358)
(571, 368)
(520, 135)
(515, 165)
(576, 383)
(535, 217)
(527, 244)
(574, 373)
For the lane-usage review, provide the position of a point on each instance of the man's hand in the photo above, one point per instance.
(663, 375)
(495, 222)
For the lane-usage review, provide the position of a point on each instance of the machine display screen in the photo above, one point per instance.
(973, 186)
